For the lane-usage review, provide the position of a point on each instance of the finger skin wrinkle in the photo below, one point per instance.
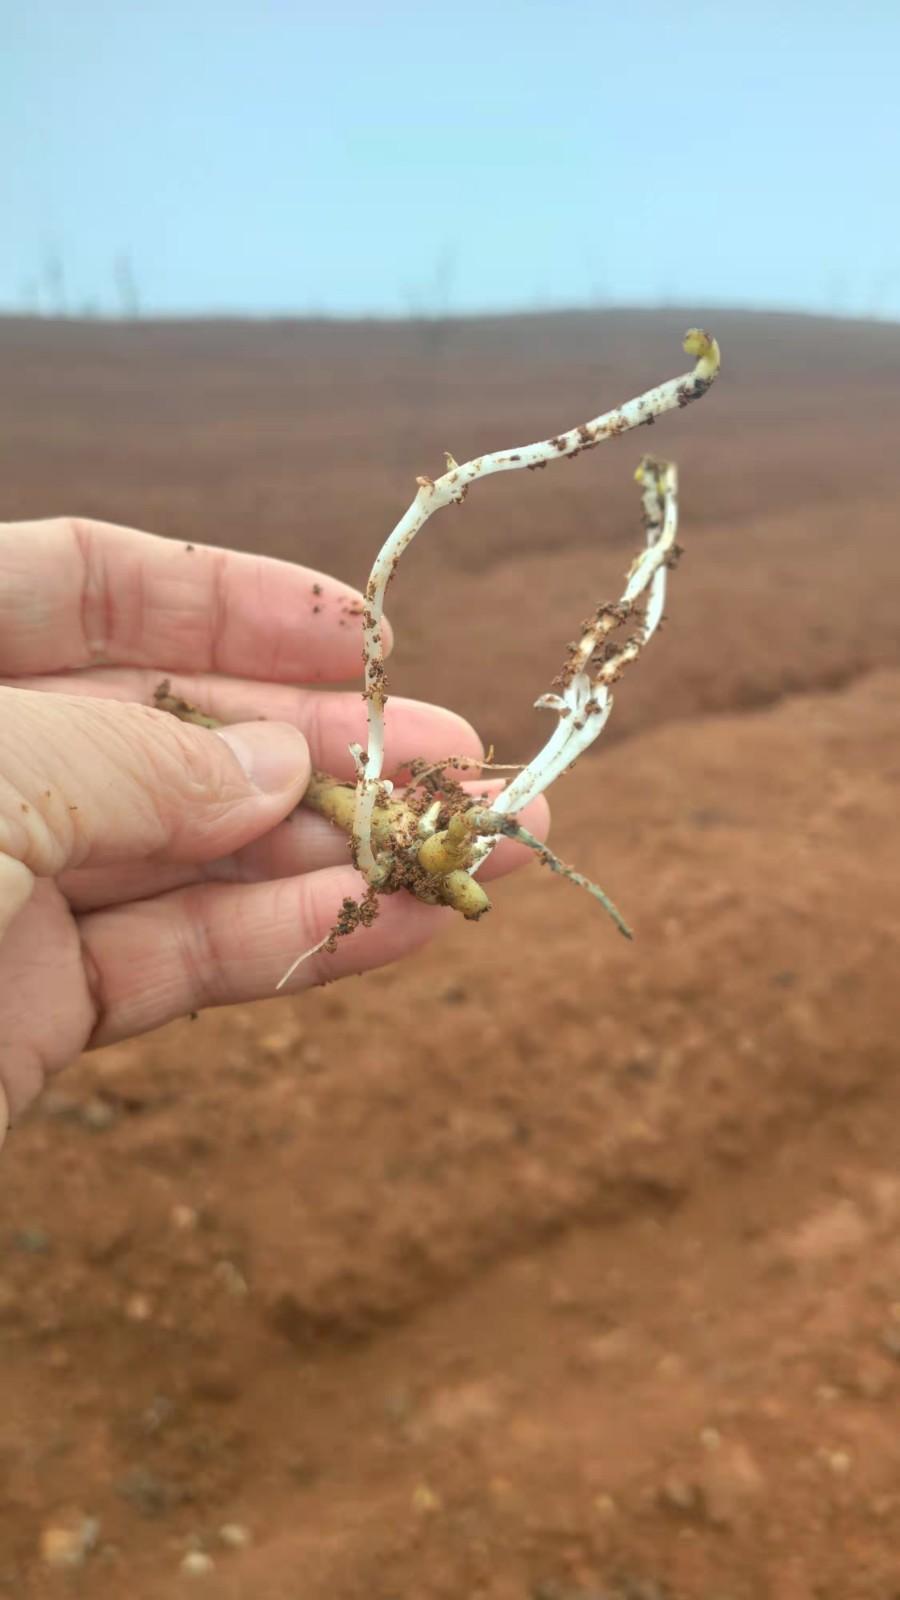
(218, 622)
(197, 951)
(218, 958)
(173, 788)
(314, 714)
(95, 607)
(279, 653)
(93, 978)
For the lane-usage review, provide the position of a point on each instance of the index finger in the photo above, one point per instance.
(75, 593)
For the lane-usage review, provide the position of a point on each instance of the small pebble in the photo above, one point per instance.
(61, 1549)
(235, 1535)
(138, 1308)
(197, 1564)
(184, 1218)
(424, 1500)
(64, 1549)
(97, 1116)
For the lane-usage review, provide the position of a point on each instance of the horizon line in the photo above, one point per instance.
(393, 319)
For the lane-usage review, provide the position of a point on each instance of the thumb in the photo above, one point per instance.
(86, 782)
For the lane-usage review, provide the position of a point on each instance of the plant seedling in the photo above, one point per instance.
(432, 839)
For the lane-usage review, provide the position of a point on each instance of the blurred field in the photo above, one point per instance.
(545, 1266)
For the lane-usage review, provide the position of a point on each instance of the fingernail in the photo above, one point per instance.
(273, 754)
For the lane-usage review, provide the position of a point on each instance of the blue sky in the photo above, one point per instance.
(278, 156)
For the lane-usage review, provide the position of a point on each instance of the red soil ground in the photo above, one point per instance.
(545, 1267)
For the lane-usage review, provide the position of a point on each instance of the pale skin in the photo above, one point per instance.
(144, 875)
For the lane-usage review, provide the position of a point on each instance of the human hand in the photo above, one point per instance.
(150, 868)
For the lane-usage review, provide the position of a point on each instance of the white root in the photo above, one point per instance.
(584, 701)
(307, 954)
